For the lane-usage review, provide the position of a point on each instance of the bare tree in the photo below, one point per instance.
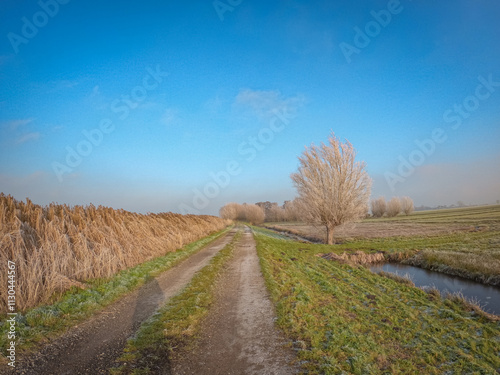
(230, 211)
(291, 210)
(243, 212)
(393, 207)
(254, 214)
(266, 206)
(407, 206)
(332, 187)
(277, 213)
(378, 207)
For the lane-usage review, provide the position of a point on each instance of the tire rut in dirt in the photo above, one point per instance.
(93, 346)
(239, 335)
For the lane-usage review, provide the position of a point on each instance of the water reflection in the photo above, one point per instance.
(488, 296)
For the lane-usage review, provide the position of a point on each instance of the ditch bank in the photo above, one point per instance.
(289, 234)
(486, 296)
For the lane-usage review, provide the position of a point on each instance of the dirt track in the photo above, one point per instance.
(239, 336)
(93, 346)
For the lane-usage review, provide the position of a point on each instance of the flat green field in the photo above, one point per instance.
(461, 241)
(344, 319)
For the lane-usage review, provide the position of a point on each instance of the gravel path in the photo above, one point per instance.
(239, 335)
(93, 346)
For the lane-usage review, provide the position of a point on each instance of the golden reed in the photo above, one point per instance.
(58, 246)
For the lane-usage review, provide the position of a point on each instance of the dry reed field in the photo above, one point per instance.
(56, 247)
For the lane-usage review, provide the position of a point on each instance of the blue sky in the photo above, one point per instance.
(184, 106)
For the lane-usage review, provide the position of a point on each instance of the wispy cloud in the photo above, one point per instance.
(62, 85)
(95, 91)
(213, 105)
(15, 124)
(149, 105)
(28, 137)
(57, 128)
(6, 58)
(169, 116)
(264, 104)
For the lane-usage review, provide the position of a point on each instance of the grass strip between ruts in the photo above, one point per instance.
(175, 325)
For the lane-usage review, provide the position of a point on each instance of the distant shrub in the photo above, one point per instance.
(254, 214)
(292, 210)
(243, 212)
(230, 211)
(378, 207)
(393, 207)
(407, 206)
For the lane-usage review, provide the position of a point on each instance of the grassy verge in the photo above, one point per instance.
(346, 319)
(175, 325)
(77, 304)
(460, 241)
(472, 255)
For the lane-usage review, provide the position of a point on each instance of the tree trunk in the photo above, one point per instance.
(329, 234)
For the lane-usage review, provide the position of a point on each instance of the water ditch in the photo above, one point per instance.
(487, 296)
(291, 236)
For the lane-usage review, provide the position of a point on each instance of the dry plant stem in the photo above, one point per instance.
(57, 247)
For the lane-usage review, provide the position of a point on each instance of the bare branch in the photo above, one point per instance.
(333, 188)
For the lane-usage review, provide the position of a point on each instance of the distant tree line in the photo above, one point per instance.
(333, 189)
(242, 212)
(394, 207)
(261, 212)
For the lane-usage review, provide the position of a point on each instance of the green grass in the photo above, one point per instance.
(36, 325)
(473, 255)
(348, 320)
(176, 324)
(470, 249)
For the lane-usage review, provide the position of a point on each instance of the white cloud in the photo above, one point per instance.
(56, 86)
(213, 105)
(57, 128)
(95, 91)
(14, 124)
(169, 116)
(148, 105)
(264, 103)
(28, 137)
